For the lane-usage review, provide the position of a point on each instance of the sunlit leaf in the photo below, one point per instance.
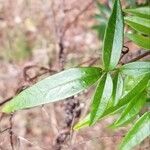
(101, 97)
(117, 88)
(140, 40)
(113, 39)
(137, 133)
(139, 24)
(54, 88)
(136, 68)
(141, 11)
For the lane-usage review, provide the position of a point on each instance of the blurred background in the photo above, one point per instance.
(39, 38)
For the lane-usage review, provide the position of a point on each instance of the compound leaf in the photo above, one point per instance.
(139, 86)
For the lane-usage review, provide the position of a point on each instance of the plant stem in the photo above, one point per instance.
(139, 57)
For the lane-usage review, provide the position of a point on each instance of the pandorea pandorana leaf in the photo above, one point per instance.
(139, 24)
(101, 97)
(132, 109)
(137, 133)
(143, 12)
(117, 88)
(136, 68)
(113, 39)
(56, 87)
(140, 40)
(139, 86)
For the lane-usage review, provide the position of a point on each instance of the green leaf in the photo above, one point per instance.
(140, 40)
(101, 97)
(57, 87)
(137, 133)
(143, 12)
(83, 123)
(117, 88)
(113, 39)
(132, 109)
(139, 24)
(136, 68)
(139, 86)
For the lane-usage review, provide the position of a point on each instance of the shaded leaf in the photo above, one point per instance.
(100, 29)
(104, 10)
(54, 88)
(137, 133)
(139, 86)
(101, 97)
(132, 109)
(140, 40)
(139, 24)
(141, 11)
(131, 3)
(113, 39)
(136, 68)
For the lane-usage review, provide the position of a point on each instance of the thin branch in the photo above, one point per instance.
(5, 101)
(77, 17)
(41, 68)
(90, 62)
(4, 130)
(11, 132)
(124, 52)
(139, 57)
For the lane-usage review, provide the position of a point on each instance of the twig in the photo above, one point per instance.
(139, 57)
(4, 130)
(90, 62)
(5, 101)
(17, 92)
(11, 132)
(77, 17)
(61, 54)
(27, 68)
